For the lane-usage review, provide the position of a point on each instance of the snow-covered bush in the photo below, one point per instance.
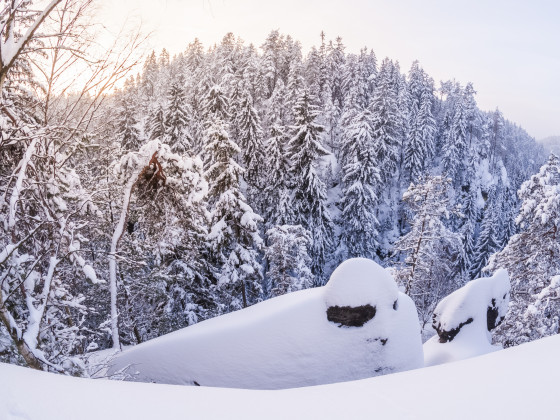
(357, 326)
(463, 320)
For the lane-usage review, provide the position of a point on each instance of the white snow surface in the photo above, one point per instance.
(516, 383)
(470, 301)
(360, 281)
(287, 341)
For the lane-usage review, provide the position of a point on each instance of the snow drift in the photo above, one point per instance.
(463, 320)
(359, 325)
(516, 383)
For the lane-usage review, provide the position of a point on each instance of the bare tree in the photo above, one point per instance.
(42, 201)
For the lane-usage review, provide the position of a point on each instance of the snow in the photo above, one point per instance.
(36, 314)
(517, 383)
(18, 187)
(6, 252)
(288, 341)
(89, 272)
(375, 284)
(471, 302)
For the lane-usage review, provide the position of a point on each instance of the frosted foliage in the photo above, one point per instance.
(288, 258)
(430, 250)
(531, 257)
(464, 319)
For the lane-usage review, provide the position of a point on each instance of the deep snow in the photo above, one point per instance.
(516, 383)
(463, 320)
(288, 341)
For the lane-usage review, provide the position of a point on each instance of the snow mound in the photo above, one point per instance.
(359, 281)
(289, 341)
(463, 320)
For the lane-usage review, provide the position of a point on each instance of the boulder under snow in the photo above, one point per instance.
(357, 326)
(463, 320)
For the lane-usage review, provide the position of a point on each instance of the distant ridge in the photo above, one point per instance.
(551, 144)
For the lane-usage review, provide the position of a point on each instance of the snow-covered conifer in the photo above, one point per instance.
(177, 118)
(488, 238)
(156, 123)
(234, 237)
(309, 201)
(532, 259)
(360, 182)
(250, 141)
(386, 120)
(422, 126)
(277, 194)
(430, 250)
(288, 259)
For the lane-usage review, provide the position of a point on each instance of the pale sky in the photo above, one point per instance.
(509, 49)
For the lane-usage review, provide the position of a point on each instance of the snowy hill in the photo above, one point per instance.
(516, 383)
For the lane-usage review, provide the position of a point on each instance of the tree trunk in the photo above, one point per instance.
(21, 346)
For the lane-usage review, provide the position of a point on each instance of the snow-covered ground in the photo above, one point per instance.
(516, 383)
(357, 326)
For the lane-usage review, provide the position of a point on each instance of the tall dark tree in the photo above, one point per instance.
(310, 196)
(360, 182)
(177, 118)
(234, 236)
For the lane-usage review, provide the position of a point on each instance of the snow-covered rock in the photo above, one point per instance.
(359, 325)
(463, 320)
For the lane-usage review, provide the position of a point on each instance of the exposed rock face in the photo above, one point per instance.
(445, 336)
(348, 316)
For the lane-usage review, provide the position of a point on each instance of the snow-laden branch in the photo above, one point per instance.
(19, 183)
(145, 153)
(10, 49)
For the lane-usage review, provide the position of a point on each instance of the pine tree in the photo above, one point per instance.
(215, 104)
(278, 203)
(422, 125)
(234, 236)
(127, 125)
(336, 60)
(386, 120)
(250, 140)
(156, 123)
(309, 200)
(488, 238)
(455, 138)
(150, 76)
(532, 258)
(360, 181)
(272, 60)
(177, 119)
(431, 251)
(288, 259)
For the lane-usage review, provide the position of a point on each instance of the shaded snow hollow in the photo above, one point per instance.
(289, 341)
(464, 319)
